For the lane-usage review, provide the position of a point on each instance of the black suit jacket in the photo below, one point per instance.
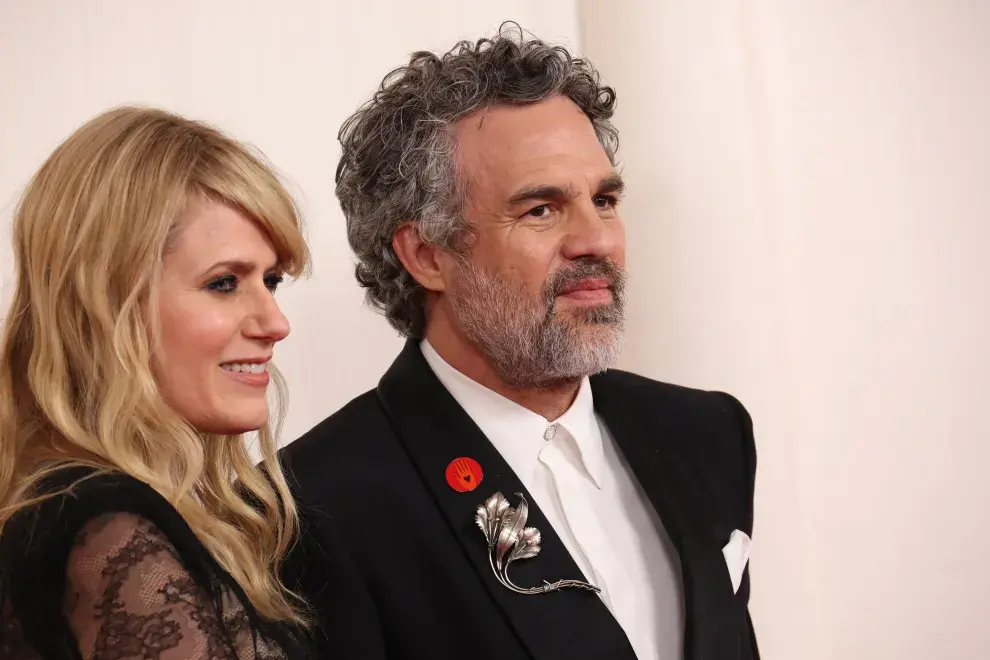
(394, 566)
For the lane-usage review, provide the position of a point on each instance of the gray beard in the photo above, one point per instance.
(524, 338)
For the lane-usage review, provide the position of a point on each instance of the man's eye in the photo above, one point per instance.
(606, 202)
(540, 211)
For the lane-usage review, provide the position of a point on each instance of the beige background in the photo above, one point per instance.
(808, 224)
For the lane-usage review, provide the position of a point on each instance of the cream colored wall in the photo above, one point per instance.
(807, 222)
(283, 75)
(809, 201)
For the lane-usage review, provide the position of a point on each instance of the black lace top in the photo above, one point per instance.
(113, 572)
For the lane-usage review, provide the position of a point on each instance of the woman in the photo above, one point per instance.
(136, 354)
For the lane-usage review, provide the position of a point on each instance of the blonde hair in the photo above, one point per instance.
(76, 384)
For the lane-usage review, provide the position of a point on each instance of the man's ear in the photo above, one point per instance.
(420, 259)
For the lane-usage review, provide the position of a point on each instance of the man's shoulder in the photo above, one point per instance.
(638, 389)
(355, 411)
(354, 437)
(715, 421)
(355, 416)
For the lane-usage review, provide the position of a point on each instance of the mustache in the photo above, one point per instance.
(583, 269)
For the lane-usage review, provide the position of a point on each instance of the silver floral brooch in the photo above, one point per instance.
(504, 527)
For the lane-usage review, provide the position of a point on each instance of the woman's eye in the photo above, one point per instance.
(225, 284)
(272, 280)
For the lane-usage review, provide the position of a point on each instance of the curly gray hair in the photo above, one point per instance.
(398, 164)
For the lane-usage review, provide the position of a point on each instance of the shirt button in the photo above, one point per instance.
(550, 432)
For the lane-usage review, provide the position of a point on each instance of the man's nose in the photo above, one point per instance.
(588, 234)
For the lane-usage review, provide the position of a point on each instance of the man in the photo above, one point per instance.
(482, 202)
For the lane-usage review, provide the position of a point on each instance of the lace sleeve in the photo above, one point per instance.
(129, 596)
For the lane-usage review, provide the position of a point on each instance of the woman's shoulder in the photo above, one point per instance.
(73, 497)
(81, 511)
(107, 547)
(89, 486)
(89, 537)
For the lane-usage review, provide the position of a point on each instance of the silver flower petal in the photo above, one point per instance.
(494, 508)
(515, 520)
(481, 518)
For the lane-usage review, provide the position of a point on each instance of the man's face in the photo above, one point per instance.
(539, 291)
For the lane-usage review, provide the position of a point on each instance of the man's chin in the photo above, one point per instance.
(592, 322)
(599, 349)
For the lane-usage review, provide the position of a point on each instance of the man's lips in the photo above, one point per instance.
(590, 284)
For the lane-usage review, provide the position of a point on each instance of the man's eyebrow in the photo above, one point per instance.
(539, 192)
(611, 184)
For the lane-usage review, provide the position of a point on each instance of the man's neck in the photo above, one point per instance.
(462, 355)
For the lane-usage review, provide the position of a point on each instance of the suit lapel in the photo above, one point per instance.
(649, 440)
(434, 431)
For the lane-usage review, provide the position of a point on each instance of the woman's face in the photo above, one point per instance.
(218, 320)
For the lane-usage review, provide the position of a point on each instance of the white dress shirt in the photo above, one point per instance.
(576, 475)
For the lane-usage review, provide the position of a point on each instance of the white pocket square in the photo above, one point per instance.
(736, 553)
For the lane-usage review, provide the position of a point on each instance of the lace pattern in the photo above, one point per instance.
(129, 597)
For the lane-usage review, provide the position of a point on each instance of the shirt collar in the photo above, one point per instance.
(582, 423)
(516, 431)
